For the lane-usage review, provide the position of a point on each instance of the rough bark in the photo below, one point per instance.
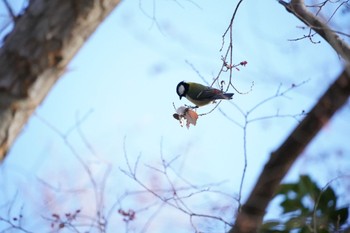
(251, 215)
(299, 10)
(250, 218)
(34, 55)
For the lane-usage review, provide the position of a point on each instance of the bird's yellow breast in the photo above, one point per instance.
(198, 103)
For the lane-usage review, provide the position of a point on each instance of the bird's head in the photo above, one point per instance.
(182, 89)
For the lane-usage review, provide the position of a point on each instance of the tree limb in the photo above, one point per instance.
(249, 219)
(253, 211)
(9, 9)
(298, 8)
(34, 55)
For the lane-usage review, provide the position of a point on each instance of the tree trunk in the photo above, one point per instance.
(250, 217)
(35, 54)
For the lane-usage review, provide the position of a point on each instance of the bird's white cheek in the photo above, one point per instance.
(181, 90)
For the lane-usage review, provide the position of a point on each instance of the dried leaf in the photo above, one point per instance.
(191, 118)
(186, 115)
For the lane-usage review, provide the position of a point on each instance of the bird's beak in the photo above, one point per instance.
(180, 97)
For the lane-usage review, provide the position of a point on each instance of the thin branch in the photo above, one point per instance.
(13, 223)
(9, 9)
(197, 72)
(249, 220)
(231, 22)
(246, 115)
(253, 211)
(298, 8)
(173, 196)
(98, 190)
(314, 216)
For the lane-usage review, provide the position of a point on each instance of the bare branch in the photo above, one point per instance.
(9, 9)
(176, 193)
(34, 55)
(98, 187)
(297, 8)
(11, 223)
(253, 211)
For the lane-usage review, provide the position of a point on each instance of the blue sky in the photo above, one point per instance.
(123, 80)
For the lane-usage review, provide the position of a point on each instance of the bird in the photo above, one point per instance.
(199, 94)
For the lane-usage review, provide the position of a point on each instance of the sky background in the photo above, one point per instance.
(116, 100)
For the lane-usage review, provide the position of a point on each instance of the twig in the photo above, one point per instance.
(297, 7)
(175, 195)
(97, 190)
(9, 9)
(14, 223)
(250, 218)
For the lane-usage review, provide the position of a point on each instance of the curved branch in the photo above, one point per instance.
(35, 54)
(298, 8)
(249, 219)
(253, 211)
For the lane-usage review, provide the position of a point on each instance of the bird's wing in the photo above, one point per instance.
(211, 93)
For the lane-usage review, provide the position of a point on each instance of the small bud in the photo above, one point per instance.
(243, 63)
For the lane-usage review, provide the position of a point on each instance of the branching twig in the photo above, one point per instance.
(227, 62)
(98, 189)
(247, 120)
(9, 9)
(250, 218)
(13, 223)
(319, 198)
(173, 196)
(297, 7)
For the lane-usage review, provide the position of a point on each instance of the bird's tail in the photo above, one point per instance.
(227, 96)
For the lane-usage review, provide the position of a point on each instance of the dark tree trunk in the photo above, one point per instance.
(250, 217)
(35, 54)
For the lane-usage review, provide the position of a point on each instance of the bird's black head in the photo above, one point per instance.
(182, 89)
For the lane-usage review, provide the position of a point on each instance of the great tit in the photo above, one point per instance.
(199, 94)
